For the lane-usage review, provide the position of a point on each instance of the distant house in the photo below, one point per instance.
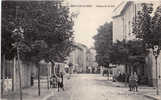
(91, 60)
(78, 58)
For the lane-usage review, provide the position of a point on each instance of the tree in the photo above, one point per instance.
(103, 41)
(119, 50)
(156, 25)
(147, 27)
(127, 53)
(48, 30)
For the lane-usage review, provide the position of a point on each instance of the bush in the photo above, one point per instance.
(143, 80)
(121, 78)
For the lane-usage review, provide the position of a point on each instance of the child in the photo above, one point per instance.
(60, 81)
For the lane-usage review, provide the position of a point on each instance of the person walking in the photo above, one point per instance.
(60, 81)
(136, 81)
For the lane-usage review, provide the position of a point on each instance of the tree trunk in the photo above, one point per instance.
(3, 76)
(126, 77)
(19, 72)
(52, 66)
(48, 77)
(37, 65)
(51, 70)
(13, 73)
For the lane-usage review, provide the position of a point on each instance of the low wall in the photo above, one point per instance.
(12, 73)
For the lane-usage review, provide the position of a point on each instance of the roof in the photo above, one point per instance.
(82, 45)
(118, 11)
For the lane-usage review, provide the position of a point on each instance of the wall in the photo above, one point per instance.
(84, 60)
(117, 29)
(122, 24)
(78, 58)
(12, 73)
(154, 69)
(26, 70)
(151, 68)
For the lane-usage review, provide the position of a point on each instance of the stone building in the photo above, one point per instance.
(91, 60)
(78, 58)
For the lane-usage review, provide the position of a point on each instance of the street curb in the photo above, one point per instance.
(151, 97)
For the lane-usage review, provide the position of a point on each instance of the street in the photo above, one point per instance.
(93, 87)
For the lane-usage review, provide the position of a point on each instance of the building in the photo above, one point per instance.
(78, 58)
(91, 61)
(123, 17)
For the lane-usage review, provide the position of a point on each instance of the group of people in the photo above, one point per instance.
(133, 82)
(132, 79)
(57, 80)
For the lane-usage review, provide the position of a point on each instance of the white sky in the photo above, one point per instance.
(90, 18)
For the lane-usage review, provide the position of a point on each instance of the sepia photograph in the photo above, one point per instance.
(80, 50)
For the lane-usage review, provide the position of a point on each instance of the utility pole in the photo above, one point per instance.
(157, 91)
(19, 70)
(156, 53)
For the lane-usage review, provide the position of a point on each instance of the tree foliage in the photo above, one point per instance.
(128, 52)
(48, 29)
(147, 27)
(103, 41)
(119, 53)
(156, 24)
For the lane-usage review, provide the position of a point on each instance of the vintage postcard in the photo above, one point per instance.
(80, 50)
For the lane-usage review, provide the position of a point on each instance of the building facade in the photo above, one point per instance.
(123, 17)
(91, 61)
(78, 58)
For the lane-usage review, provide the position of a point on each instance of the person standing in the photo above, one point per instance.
(60, 81)
(131, 82)
(136, 81)
(32, 79)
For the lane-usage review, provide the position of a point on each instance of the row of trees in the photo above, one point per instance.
(103, 44)
(47, 31)
(146, 28)
(121, 52)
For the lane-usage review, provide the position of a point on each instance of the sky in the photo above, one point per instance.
(90, 17)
